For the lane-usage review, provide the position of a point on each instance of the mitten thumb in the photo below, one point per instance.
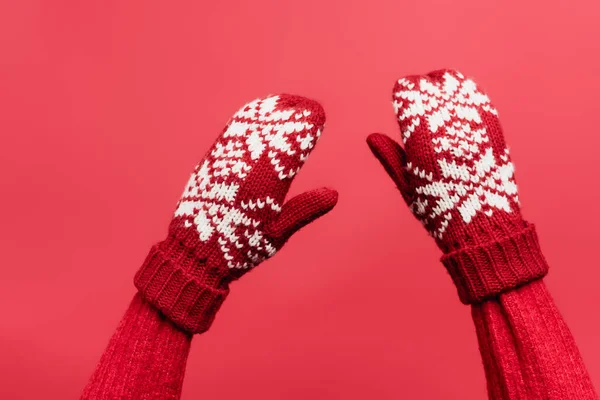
(393, 158)
(300, 211)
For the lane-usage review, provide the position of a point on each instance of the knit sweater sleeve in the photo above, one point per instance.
(144, 359)
(498, 352)
(527, 349)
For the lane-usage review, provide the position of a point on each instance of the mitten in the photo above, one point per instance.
(457, 178)
(232, 216)
(456, 175)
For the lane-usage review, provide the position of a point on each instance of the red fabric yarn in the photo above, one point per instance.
(145, 358)
(456, 176)
(230, 218)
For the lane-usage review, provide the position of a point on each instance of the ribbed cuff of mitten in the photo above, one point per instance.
(485, 271)
(183, 298)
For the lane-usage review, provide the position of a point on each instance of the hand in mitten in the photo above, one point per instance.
(457, 178)
(231, 216)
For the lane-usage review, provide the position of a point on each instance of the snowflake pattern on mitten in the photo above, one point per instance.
(243, 180)
(467, 168)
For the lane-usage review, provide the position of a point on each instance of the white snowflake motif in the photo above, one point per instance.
(472, 179)
(210, 203)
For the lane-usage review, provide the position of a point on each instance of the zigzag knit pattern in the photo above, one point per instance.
(471, 171)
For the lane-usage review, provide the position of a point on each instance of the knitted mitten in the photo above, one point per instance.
(229, 219)
(456, 175)
(231, 216)
(458, 180)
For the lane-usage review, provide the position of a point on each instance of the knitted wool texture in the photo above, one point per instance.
(231, 216)
(527, 349)
(229, 219)
(145, 358)
(457, 178)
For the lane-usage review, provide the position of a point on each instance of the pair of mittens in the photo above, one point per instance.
(454, 173)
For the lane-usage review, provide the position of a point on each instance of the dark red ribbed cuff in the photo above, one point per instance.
(185, 300)
(482, 272)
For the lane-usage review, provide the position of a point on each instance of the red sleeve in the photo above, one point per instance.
(498, 352)
(145, 358)
(527, 348)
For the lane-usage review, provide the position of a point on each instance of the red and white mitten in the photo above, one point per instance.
(231, 216)
(456, 176)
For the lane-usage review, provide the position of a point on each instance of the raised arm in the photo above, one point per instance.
(231, 217)
(456, 175)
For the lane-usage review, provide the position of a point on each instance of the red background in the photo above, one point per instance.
(105, 107)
